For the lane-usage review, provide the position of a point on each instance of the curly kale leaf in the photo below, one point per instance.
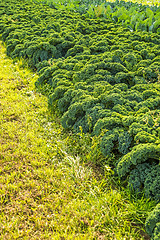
(146, 177)
(156, 234)
(139, 154)
(144, 137)
(152, 223)
(113, 139)
(106, 123)
(137, 177)
(77, 110)
(130, 61)
(152, 183)
(135, 128)
(124, 142)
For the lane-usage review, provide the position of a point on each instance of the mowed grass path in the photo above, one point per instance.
(44, 192)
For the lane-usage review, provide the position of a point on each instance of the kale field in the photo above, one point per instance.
(100, 67)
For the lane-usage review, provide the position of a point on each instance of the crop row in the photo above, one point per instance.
(136, 17)
(102, 76)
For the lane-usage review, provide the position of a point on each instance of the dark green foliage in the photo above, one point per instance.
(115, 139)
(146, 176)
(77, 110)
(152, 223)
(156, 234)
(137, 177)
(107, 123)
(139, 154)
(152, 183)
(124, 140)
